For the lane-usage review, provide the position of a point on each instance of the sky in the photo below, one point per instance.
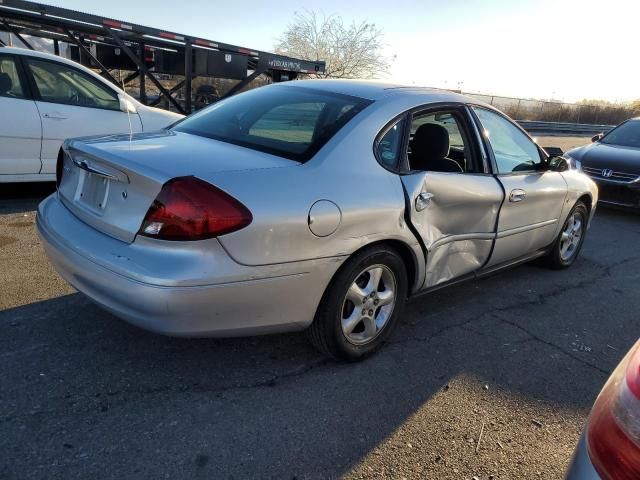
(551, 49)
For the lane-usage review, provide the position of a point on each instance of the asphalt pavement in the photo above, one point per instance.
(488, 379)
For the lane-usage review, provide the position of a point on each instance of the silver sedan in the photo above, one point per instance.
(318, 205)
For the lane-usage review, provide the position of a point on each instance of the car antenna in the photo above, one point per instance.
(128, 109)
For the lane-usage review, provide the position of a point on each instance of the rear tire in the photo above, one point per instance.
(361, 306)
(568, 244)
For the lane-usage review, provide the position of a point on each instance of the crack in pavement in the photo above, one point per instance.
(9, 418)
(553, 345)
(540, 299)
(274, 379)
(270, 382)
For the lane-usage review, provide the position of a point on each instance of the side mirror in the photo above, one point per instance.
(126, 105)
(597, 138)
(557, 164)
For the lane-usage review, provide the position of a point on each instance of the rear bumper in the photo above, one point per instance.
(581, 467)
(186, 289)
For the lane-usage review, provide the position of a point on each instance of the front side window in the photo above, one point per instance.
(58, 83)
(512, 149)
(292, 122)
(625, 135)
(10, 85)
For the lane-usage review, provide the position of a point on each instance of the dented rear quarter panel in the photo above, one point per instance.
(370, 199)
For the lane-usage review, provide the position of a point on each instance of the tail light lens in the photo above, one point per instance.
(190, 209)
(59, 167)
(613, 434)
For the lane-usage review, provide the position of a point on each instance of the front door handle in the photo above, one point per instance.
(423, 200)
(517, 195)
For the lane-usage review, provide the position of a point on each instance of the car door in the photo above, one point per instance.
(454, 214)
(73, 104)
(534, 195)
(20, 128)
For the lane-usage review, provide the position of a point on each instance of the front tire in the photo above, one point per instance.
(569, 242)
(361, 306)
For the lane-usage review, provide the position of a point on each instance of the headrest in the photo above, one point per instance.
(430, 142)
(5, 82)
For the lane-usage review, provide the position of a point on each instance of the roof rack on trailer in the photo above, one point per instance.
(176, 53)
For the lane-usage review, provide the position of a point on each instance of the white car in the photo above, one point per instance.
(45, 99)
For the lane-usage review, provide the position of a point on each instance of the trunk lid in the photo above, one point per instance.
(110, 182)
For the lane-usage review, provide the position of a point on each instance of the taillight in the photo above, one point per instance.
(59, 167)
(613, 434)
(190, 209)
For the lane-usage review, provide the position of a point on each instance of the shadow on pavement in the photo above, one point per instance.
(94, 397)
(23, 197)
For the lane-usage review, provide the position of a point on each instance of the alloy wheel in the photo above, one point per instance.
(571, 235)
(368, 304)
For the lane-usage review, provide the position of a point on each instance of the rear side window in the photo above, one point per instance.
(58, 83)
(292, 122)
(389, 146)
(9, 80)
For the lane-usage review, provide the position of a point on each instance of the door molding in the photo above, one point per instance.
(462, 236)
(525, 228)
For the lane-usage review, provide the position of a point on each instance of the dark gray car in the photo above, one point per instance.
(613, 161)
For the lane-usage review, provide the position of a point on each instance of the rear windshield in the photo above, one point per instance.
(292, 122)
(625, 135)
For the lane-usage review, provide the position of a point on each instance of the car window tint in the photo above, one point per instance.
(292, 122)
(389, 147)
(513, 150)
(59, 83)
(10, 85)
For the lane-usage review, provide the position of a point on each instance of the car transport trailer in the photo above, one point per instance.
(106, 44)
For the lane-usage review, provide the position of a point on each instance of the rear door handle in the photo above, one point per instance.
(517, 195)
(423, 200)
(54, 116)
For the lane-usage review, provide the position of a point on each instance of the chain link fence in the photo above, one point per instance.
(548, 111)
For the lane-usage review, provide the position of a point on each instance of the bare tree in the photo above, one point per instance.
(351, 51)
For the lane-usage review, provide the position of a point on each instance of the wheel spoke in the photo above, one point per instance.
(370, 327)
(385, 297)
(356, 294)
(577, 225)
(349, 323)
(375, 274)
(565, 237)
(564, 246)
(570, 224)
